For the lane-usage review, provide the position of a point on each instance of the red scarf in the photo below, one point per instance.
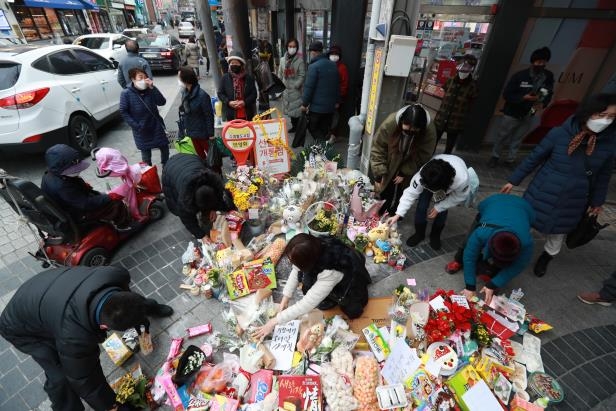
(579, 138)
(238, 91)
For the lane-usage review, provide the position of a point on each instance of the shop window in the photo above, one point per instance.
(92, 61)
(65, 63)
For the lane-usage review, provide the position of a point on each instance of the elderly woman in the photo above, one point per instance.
(237, 90)
(196, 111)
(575, 164)
(292, 71)
(331, 274)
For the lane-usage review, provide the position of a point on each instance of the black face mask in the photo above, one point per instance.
(235, 69)
(538, 69)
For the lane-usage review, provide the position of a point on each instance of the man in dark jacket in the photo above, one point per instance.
(526, 91)
(132, 60)
(192, 190)
(321, 92)
(60, 317)
(62, 184)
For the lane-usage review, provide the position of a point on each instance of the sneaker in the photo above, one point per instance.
(453, 267)
(593, 298)
(493, 162)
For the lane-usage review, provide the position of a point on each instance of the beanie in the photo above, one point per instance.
(504, 246)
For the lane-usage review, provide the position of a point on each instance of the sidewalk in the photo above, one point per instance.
(580, 351)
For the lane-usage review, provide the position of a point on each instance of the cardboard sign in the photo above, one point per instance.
(239, 137)
(283, 343)
(270, 154)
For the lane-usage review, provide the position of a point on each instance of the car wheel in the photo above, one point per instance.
(95, 257)
(82, 134)
(156, 211)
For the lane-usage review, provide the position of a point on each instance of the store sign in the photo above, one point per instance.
(117, 5)
(271, 146)
(129, 2)
(374, 90)
(239, 136)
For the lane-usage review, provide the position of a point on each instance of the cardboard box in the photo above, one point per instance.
(116, 349)
(377, 312)
(300, 393)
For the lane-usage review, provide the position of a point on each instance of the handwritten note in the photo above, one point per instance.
(411, 282)
(438, 304)
(401, 363)
(283, 343)
(460, 300)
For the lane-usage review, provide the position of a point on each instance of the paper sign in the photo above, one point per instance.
(270, 153)
(438, 304)
(432, 367)
(401, 363)
(411, 282)
(283, 343)
(460, 300)
(253, 213)
(479, 397)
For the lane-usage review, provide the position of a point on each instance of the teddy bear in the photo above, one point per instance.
(380, 256)
(380, 232)
(290, 218)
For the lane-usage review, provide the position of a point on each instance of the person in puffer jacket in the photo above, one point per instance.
(60, 316)
(194, 193)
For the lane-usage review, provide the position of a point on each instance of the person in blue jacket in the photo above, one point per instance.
(139, 108)
(569, 157)
(196, 111)
(498, 247)
(321, 92)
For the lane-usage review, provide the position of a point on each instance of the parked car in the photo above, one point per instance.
(162, 51)
(10, 41)
(186, 29)
(108, 45)
(157, 28)
(55, 94)
(136, 32)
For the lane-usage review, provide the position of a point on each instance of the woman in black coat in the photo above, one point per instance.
(562, 190)
(194, 193)
(237, 91)
(139, 103)
(196, 112)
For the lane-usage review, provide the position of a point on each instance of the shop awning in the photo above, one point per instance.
(55, 4)
(89, 4)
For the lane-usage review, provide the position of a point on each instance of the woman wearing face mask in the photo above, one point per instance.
(561, 191)
(335, 55)
(292, 71)
(237, 90)
(460, 91)
(139, 108)
(403, 143)
(196, 111)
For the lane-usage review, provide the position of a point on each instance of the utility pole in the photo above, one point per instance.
(236, 25)
(205, 16)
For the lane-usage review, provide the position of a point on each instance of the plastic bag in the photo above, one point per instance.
(338, 390)
(217, 379)
(185, 145)
(366, 381)
(214, 156)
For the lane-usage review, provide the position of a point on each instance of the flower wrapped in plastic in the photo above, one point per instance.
(244, 183)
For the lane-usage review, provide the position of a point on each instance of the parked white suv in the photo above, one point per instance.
(108, 45)
(55, 94)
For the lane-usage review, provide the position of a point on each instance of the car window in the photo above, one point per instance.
(42, 64)
(9, 73)
(92, 61)
(175, 42)
(120, 40)
(65, 63)
(95, 43)
(154, 41)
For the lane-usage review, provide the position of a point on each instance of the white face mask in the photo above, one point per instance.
(463, 74)
(181, 85)
(73, 174)
(292, 50)
(599, 124)
(334, 58)
(140, 84)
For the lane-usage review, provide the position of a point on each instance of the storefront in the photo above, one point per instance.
(103, 22)
(41, 20)
(130, 13)
(116, 16)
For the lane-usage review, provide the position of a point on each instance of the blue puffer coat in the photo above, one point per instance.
(147, 124)
(322, 86)
(559, 192)
(197, 113)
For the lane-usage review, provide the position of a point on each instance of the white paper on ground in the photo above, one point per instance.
(283, 343)
(460, 300)
(480, 398)
(531, 343)
(438, 303)
(401, 363)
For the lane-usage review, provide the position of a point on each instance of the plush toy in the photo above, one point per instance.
(311, 338)
(290, 218)
(379, 256)
(381, 232)
(385, 246)
(394, 238)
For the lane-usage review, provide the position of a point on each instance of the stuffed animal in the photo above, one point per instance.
(379, 256)
(394, 238)
(311, 338)
(290, 218)
(380, 232)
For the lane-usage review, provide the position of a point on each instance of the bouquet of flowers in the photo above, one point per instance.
(315, 156)
(132, 391)
(322, 219)
(244, 183)
(443, 323)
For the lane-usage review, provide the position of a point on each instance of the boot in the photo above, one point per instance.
(541, 266)
(435, 237)
(420, 234)
(154, 309)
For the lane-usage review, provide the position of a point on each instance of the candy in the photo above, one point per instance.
(537, 326)
(261, 385)
(199, 330)
(337, 390)
(176, 346)
(366, 381)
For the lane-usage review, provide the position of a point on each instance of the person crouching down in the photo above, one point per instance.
(444, 179)
(331, 274)
(499, 245)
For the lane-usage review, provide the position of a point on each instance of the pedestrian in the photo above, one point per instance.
(237, 90)
(575, 162)
(204, 55)
(60, 316)
(194, 193)
(321, 92)
(403, 143)
(332, 274)
(196, 113)
(132, 60)
(445, 180)
(292, 71)
(139, 108)
(62, 183)
(335, 55)
(499, 245)
(193, 55)
(605, 296)
(460, 92)
(526, 91)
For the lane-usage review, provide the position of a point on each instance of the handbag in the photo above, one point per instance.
(214, 156)
(300, 131)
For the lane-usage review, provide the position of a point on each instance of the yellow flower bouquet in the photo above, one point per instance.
(244, 183)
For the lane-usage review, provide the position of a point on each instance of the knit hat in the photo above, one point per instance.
(236, 55)
(504, 246)
(543, 53)
(316, 46)
(335, 49)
